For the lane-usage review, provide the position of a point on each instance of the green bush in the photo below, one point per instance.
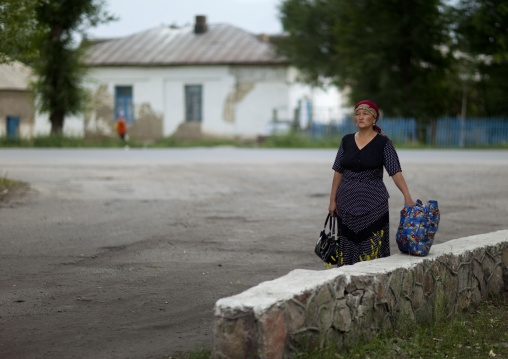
(14, 142)
(300, 140)
(205, 142)
(291, 140)
(60, 141)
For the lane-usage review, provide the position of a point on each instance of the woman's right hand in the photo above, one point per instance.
(337, 179)
(332, 209)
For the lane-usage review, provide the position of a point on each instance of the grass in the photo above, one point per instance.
(7, 187)
(169, 142)
(481, 332)
(6, 184)
(291, 140)
(295, 140)
(59, 141)
(298, 140)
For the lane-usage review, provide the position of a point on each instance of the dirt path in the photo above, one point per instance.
(126, 261)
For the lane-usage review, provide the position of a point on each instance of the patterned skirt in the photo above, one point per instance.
(364, 237)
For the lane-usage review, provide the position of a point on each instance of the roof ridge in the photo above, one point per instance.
(162, 45)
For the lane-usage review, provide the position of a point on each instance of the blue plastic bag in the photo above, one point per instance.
(417, 228)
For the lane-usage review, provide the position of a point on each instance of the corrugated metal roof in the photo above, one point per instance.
(221, 44)
(15, 76)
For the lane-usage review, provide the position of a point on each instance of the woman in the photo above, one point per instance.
(359, 197)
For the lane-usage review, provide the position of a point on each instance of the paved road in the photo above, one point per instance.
(123, 253)
(223, 155)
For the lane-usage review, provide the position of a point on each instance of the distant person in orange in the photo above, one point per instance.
(121, 127)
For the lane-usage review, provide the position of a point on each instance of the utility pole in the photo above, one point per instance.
(463, 116)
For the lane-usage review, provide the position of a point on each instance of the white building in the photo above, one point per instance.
(201, 80)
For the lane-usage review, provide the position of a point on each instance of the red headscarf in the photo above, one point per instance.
(372, 108)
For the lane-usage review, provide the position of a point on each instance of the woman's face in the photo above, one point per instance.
(364, 119)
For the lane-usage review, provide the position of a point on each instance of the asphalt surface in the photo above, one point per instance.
(123, 253)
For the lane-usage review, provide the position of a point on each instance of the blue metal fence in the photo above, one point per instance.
(470, 132)
(445, 132)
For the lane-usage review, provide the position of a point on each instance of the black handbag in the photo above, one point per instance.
(327, 246)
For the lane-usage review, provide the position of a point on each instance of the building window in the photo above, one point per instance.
(193, 103)
(12, 126)
(124, 104)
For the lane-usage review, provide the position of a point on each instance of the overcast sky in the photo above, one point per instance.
(256, 16)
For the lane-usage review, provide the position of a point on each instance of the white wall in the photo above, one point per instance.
(256, 110)
(42, 126)
(327, 103)
(147, 83)
(164, 89)
(269, 93)
(216, 84)
(73, 125)
(271, 87)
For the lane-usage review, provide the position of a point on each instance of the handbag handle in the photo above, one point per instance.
(334, 219)
(327, 218)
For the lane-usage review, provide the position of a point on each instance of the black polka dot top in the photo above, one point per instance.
(362, 189)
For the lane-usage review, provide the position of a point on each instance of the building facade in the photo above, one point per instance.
(193, 82)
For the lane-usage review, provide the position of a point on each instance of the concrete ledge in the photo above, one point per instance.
(340, 305)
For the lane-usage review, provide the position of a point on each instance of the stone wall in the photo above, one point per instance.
(342, 305)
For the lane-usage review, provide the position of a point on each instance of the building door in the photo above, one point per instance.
(12, 126)
(124, 103)
(193, 103)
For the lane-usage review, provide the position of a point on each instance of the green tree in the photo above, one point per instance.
(393, 52)
(18, 30)
(482, 34)
(60, 68)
